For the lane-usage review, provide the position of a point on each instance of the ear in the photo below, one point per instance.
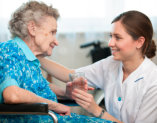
(31, 26)
(140, 42)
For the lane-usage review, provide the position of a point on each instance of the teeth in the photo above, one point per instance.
(115, 50)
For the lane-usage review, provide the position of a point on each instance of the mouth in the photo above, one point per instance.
(115, 50)
(52, 46)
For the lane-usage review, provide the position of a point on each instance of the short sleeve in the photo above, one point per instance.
(6, 83)
(10, 72)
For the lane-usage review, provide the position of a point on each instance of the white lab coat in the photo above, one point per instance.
(134, 100)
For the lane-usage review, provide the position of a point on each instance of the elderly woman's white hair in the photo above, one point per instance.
(30, 11)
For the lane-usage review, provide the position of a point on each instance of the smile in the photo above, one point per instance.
(52, 47)
(115, 50)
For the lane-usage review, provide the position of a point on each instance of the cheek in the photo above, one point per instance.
(40, 38)
(127, 46)
(46, 41)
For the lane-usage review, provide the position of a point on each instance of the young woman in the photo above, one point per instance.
(128, 77)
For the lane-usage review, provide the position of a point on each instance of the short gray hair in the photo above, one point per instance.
(30, 11)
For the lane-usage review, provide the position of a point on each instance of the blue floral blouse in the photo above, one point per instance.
(19, 67)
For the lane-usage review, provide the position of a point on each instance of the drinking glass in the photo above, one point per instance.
(78, 80)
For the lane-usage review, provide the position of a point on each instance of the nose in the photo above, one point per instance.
(55, 42)
(111, 42)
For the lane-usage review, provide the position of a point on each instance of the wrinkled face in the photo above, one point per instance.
(122, 45)
(45, 35)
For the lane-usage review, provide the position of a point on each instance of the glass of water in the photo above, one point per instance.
(78, 80)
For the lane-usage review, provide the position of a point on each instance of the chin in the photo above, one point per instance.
(116, 58)
(49, 53)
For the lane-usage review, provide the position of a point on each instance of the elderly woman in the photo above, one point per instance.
(33, 27)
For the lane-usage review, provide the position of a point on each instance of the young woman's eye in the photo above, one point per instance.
(110, 35)
(117, 37)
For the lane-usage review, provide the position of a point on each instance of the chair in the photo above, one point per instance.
(32, 109)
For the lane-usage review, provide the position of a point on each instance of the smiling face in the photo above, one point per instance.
(44, 35)
(123, 46)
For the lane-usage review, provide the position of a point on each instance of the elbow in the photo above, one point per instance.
(10, 97)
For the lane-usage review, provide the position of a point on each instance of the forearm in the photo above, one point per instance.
(60, 92)
(106, 115)
(58, 71)
(87, 101)
(14, 95)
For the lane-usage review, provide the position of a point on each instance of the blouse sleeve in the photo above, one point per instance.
(10, 72)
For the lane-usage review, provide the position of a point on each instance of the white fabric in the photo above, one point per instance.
(134, 100)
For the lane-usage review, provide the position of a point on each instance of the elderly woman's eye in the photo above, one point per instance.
(53, 32)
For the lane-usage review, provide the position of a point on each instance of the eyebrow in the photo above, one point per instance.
(115, 34)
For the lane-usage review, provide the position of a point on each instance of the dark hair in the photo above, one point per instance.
(138, 24)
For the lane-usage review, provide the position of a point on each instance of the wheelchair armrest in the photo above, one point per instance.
(68, 102)
(31, 108)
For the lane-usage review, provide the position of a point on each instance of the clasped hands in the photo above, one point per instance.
(78, 90)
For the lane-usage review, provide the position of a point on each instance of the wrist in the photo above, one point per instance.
(52, 105)
(102, 113)
(97, 112)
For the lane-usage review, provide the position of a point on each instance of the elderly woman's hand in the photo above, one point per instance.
(60, 109)
(86, 101)
(79, 83)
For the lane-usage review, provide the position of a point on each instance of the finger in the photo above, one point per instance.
(67, 113)
(83, 104)
(80, 96)
(86, 85)
(61, 114)
(81, 92)
(69, 84)
(91, 88)
(80, 80)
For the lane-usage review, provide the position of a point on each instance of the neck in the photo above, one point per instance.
(32, 46)
(131, 65)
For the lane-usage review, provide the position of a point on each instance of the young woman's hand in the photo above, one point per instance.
(86, 101)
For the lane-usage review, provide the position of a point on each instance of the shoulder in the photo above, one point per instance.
(110, 63)
(150, 73)
(10, 50)
(8, 46)
(150, 68)
(109, 60)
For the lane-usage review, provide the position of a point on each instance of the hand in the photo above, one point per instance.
(61, 109)
(80, 82)
(86, 101)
